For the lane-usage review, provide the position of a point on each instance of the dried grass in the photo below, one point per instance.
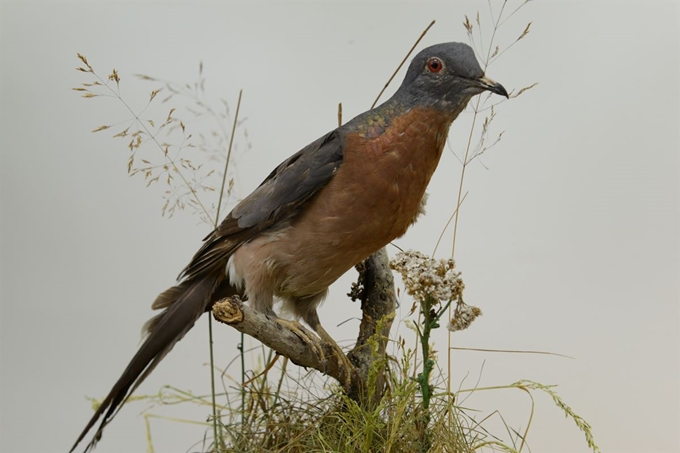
(162, 150)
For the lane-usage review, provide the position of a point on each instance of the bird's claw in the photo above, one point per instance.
(317, 343)
(305, 335)
(343, 362)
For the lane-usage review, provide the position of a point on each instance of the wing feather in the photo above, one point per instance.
(278, 198)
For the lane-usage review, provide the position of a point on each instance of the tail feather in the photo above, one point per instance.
(170, 295)
(164, 330)
(165, 300)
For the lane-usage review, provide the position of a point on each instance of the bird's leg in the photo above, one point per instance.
(305, 335)
(343, 362)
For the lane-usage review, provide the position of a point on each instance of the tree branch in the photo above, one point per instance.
(378, 302)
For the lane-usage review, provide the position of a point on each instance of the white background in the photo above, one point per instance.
(568, 242)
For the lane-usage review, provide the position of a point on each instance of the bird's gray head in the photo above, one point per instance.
(446, 75)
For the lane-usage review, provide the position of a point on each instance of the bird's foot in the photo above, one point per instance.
(342, 360)
(305, 335)
(317, 343)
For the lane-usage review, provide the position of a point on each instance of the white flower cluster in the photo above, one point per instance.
(424, 276)
(463, 316)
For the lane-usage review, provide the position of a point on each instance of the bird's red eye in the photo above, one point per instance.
(434, 64)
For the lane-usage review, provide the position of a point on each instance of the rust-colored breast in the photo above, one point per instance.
(373, 199)
(394, 167)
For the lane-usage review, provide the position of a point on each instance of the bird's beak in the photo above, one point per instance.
(493, 86)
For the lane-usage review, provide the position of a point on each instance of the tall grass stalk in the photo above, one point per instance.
(216, 425)
(486, 54)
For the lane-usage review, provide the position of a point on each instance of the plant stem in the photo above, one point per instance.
(424, 377)
(226, 164)
(430, 322)
(485, 63)
(216, 428)
(422, 35)
(243, 378)
(216, 432)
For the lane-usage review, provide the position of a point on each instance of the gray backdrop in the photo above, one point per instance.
(568, 238)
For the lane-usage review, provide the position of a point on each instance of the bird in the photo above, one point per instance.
(316, 215)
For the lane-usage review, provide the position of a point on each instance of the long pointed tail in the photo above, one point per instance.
(185, 304)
